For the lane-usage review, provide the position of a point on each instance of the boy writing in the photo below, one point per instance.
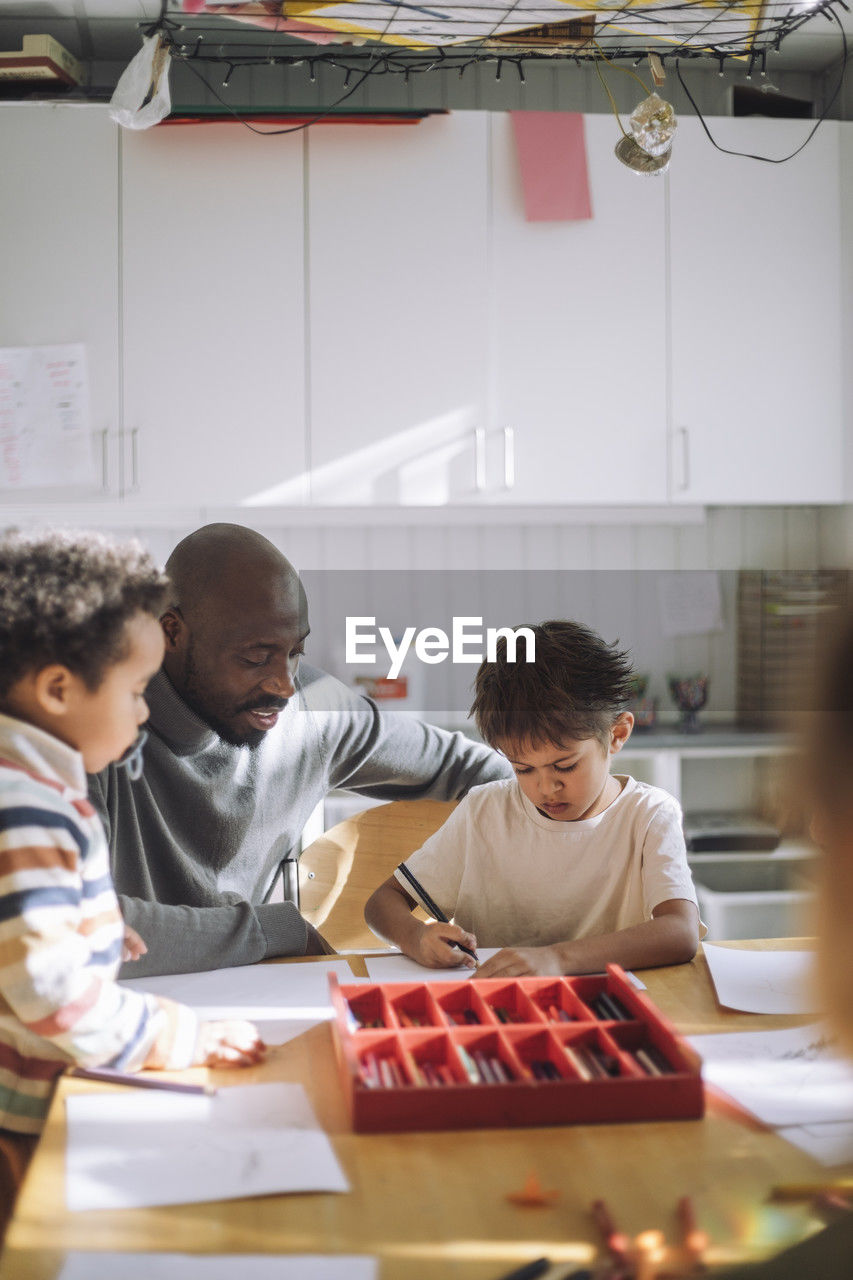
(79, 641)
(567, 867)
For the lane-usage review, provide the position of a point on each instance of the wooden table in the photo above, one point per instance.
(434, 1205)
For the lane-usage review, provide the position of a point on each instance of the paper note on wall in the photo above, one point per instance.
(690, 602)
(552, 157)
(45, 434)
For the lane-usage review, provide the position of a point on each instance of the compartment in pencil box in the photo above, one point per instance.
(476, 1048)
(588, 990)
(368, 1007)
(413, 1006)
(432, 1059)
(372, 1050)
(592, 1054)
(462, 1005)
(556, 1001)
(649, 1051)
(508, 1000)
(540, 1054)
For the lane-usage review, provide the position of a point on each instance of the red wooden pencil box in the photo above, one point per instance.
(490, 1053)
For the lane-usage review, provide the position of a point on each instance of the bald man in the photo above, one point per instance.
(244, 740)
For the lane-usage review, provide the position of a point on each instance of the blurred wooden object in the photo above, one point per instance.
(339, 871)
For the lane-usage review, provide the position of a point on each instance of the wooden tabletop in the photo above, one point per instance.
(433, 1205)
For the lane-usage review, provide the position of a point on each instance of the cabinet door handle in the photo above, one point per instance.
(105, 459)
(509, 457)
(134, 460)
(684, 437)
(480, 459)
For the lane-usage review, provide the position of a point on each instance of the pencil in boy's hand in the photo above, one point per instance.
(434, 909)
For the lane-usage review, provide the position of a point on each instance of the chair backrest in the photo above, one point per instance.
(339, 871)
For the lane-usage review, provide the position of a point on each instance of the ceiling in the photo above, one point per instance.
(107, 30)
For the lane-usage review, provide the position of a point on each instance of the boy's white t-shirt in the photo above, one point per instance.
(513, 877)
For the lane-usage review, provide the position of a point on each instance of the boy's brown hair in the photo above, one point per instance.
(66, 597)
(575, 689)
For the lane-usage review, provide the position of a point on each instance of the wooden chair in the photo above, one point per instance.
(339, 871)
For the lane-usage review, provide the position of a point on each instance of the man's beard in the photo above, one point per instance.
(212, 712)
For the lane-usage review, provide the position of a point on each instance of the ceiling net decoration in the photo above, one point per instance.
(555, 28)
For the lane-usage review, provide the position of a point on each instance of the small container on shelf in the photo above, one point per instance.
(616, 1058)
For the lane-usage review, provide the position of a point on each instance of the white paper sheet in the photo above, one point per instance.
(134, 1148)
(282, 999)
(762, 981)
(829, 1144)
(185, 1266)
(398, 968)
(795, 1076)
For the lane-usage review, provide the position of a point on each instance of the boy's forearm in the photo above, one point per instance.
(663, 940)
(389, 915)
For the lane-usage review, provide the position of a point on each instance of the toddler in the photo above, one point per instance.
(79, 641)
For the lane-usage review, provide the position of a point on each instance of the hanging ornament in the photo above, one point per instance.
(653, 125)
(633, 155)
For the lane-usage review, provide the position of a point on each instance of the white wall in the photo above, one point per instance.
(728, 538)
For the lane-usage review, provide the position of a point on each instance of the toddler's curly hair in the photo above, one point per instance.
(66, 597)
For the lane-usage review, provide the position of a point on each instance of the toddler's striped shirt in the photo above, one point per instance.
(61, 938)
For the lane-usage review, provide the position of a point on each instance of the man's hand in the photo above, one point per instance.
(434, 949)
(521, 962)
(228, 1044)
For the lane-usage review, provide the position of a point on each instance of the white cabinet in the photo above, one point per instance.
(59, 256)
(213, 315)
(397, 303)
(755, 253)
(362, 315)
(579, 334)
(718, 768)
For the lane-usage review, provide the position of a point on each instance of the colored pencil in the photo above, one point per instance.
(808, 1190)
(139, 1082)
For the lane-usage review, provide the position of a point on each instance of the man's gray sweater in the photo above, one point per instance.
(197, 842)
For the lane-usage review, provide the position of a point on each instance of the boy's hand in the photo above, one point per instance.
(132, 946)
(228, 1044)
(434, 948)
(520, 962)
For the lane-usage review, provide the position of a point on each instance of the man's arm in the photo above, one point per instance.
(191, 939)
(184, 939)
(389, 756)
